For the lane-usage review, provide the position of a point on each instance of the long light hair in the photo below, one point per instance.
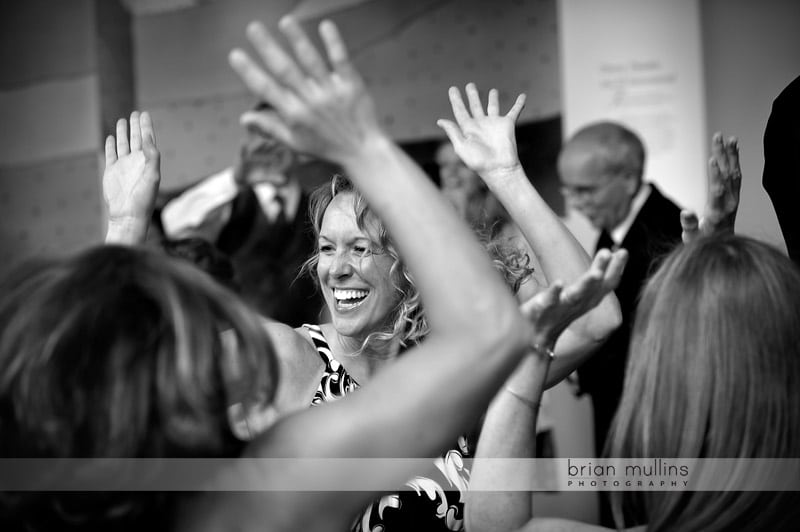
(408, 324)
(118, 352)
(714, 372)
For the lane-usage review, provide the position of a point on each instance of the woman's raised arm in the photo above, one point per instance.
(485, 141)
(419, 404)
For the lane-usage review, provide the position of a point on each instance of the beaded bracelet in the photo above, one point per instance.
(539, 350)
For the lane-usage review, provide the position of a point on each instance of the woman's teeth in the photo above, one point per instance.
(348, 299)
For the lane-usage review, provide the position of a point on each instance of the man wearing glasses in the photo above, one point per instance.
(601, 169)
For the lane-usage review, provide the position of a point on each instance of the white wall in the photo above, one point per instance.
(408, 52)
(639, 62)
(50, 116)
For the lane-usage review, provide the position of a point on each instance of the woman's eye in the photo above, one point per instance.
(326, 248)
(361, 251)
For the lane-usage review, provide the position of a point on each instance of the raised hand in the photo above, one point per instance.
(321, 109)
(724, 183)
(553, 309)
(484, 140)
(131, 179)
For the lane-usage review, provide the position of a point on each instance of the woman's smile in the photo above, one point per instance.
(355, 274)
(349, 299)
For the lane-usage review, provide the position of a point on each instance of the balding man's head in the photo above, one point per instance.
(601, 168)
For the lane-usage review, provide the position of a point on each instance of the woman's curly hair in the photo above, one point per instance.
(513, 263)
(409, 324)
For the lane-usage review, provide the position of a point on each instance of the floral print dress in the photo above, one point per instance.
(434, 502)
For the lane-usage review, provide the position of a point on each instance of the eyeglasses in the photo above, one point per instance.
(584, 191)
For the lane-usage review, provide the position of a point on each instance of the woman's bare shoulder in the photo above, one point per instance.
(300, 366)
(290, 343)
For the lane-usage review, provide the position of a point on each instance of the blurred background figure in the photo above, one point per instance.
(467, 192)
(206, 257)
(256, 212)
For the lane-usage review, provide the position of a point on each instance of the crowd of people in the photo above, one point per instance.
(435, 341)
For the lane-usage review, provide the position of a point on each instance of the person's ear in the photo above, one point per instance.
(632, 183)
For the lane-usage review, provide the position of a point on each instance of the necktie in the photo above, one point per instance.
(280, 214)
(605, 241)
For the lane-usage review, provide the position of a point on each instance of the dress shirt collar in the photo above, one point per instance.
(266, 193)
(619, 233)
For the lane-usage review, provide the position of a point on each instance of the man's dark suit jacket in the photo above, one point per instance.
(781, 174)
(654, 233)
(268, 256)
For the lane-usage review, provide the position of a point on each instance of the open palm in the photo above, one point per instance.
(484, 140)
(724, 183)
(321, 106)
(132, 174)
(552, 310)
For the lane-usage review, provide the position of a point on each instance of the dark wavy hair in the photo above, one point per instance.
(118, 352)
(205, 256)
(409, 324)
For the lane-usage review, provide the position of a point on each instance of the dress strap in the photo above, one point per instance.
(335, 382)
(321, 344)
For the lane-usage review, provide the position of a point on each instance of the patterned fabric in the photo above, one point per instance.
(435, 502)
(336, 382)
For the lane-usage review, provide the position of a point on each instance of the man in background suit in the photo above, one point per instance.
(601, 168)
(257, 213)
